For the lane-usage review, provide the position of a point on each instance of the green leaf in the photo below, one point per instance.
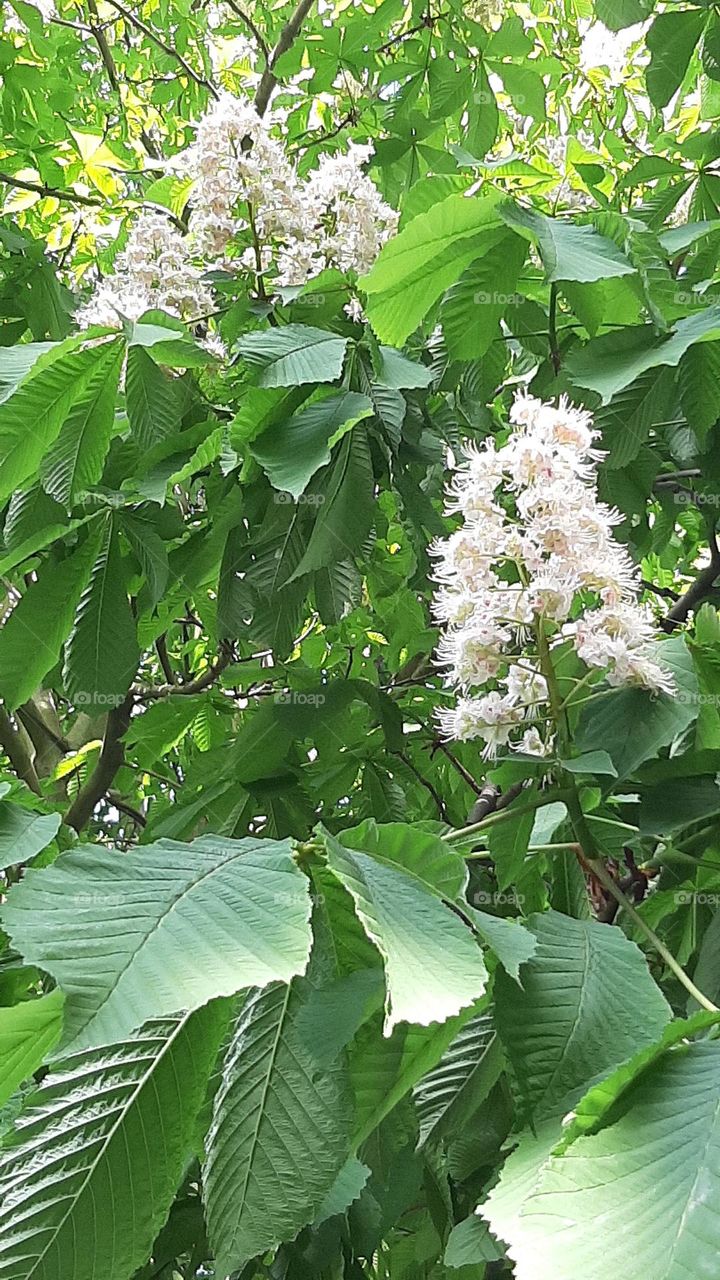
(102, 654)
(636, 1160)
(415, 268)
(447, 1097)
(153, 398)
(90, 1171)
(587, 1002)
(164, 926)
(512, 943)
(33, 635)
(290, 453)
(614, 360)
(472, 308)
(418, 853)
(632, 727)
(74, 462)
(293, 355)
(569, 251)
(345, 507)
(28, 1031)
(31, 418)
(280, 1133)
(469, 1243)
(433, 966)
(672, 39)
(24, 833)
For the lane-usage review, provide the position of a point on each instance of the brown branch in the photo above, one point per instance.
(164, 658)
(698, 591)
(43, 190)
(287, 36)
(166, 48)
(103, 46)
(14, 742)
(148, 693)
(112, 756)
(251, 26)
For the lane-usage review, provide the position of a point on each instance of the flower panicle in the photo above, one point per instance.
(536, 548)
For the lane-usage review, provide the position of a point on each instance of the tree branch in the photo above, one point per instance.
(287, 36)
(14, 742)
(56, 192)
(251, 26)
(698, 591)
(147, 693)
(111, 759)
(166, 48)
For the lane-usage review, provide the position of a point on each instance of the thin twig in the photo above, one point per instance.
(148, 693)
(166, 48)
(57, 193)
(112, 756)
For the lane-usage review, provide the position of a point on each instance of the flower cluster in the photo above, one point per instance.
(534, 557)
(153, 270)
(249, 209)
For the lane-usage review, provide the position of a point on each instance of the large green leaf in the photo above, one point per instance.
(587, 1001)
(90, 1171)
(345, 507)
(294, 354)
(290, 453)
(570, 251)
(31, 418)
(661, 1156)
(433, 965)
(614, 360)
(430, 254)
(102, 654)
(32, 637)
(28, 1031)
(75, 460)
(166, 926)
(281, 1129)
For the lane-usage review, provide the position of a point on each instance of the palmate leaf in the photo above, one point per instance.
(102, 653)
(281, 1129)
(28, 1031)
(153, 399)
(167, 926)
(89, 1173)
(587, 1004)
(75, 460)
(661, 1156)
(433, 965)
(447, 1096)
(672, 38)
(569, 251)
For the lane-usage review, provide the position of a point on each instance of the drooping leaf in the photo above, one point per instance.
(281, 1129)
(433, 965)
(28, 1031)
(24, 833)
(291, 453)
(102, 653)
(75, 460)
